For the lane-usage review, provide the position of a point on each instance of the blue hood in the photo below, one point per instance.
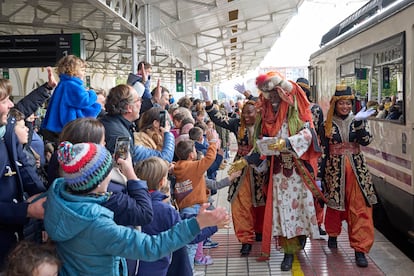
(66, 215)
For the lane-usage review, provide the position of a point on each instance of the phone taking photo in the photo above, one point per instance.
(122, 147)
(163, 118)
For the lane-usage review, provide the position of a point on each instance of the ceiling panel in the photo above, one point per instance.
(227, 37)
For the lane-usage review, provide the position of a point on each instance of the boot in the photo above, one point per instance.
(245, 250)
(321, 231)
(360, 259)
(332, 243)
(302, 241)
(286, 264)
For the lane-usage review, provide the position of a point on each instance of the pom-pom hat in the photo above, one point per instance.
(84, 165)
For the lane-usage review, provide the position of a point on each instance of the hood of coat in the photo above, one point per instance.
(66, 214)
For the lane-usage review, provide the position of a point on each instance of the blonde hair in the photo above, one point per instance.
(153, 170)
(70, 65)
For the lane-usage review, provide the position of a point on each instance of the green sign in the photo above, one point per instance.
(202, 75)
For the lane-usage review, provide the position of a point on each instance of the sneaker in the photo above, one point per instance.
(208, 244)
(205, 260)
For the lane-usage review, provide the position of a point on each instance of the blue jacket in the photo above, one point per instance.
(69, 101)
(117, 126)
(90, 243)
(17, 179)
(131, 204)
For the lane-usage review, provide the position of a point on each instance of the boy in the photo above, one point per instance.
(190, 188)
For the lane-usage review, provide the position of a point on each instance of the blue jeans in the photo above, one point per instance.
(191, 248)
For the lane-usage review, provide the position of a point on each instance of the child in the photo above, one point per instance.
(190, 188)
(88, 240)
(154, 170)
(70, 100)
(30, 259)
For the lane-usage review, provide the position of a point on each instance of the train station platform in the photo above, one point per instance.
(316, 259)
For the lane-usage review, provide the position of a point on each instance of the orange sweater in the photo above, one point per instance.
(194, 171)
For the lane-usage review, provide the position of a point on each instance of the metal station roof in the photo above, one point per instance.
(227, 37)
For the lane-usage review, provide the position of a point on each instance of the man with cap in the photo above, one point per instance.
(293, 152)
(317, 118)
(88, 240)
(348, 185)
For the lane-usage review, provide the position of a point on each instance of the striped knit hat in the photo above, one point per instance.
(84, 165)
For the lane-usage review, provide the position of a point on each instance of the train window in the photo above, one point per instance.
(378, 77)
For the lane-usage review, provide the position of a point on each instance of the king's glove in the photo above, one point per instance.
(279, 145)
(237, 166)
(363, 114)
(204, 93)
(239, 87)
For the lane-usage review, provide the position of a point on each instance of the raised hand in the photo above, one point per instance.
(51, 81)
(218, 216)
(363, 114)
(204, 93)
(239, 87)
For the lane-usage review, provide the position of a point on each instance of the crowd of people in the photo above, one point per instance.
(121, 183)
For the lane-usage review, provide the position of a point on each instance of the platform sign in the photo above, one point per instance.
(179, 81)
(202, 75)
(20, 51)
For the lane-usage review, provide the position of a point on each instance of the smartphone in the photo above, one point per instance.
(122, 147)
(163, 117)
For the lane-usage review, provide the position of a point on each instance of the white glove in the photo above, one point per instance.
(363, 114)
(228, 107)
(205, 94)
(239, 87)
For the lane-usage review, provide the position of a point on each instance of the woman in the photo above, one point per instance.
(150, 134)
(348, 184)
(245, 193)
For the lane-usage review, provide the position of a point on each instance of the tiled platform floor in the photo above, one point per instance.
(315, 260)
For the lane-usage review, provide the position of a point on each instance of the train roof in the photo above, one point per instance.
(369, 15)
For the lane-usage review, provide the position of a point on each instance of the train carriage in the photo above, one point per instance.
(372, 51)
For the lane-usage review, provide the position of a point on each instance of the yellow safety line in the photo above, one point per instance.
(296, 269)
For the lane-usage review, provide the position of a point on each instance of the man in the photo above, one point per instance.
(286, 124)
(142, 76)
(17, 179)
(123, 105)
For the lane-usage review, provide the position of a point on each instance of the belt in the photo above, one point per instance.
(344, 148)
